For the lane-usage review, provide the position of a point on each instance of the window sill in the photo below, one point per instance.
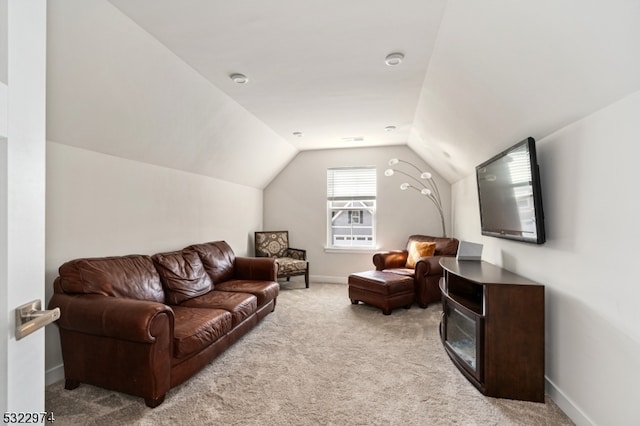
(352, 250)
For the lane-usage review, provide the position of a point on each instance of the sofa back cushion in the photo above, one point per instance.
(272, 244)
(182, 275)
(444, 246)
(132, 277)
(218, 260)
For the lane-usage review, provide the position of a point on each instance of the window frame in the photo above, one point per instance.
(339, 199)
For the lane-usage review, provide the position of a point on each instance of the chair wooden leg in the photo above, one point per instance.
(306, 278)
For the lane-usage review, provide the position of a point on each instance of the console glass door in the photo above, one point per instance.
(462, 336)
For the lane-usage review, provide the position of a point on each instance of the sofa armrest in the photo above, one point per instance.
(390, 259)
(120, 318)
(427, 276)
(428, 266)
(256, 268)
(116, 343)
(295, 253)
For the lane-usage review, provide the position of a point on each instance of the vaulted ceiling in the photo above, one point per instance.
(476, 77)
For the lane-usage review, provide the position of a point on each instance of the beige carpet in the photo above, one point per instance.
(317, 360)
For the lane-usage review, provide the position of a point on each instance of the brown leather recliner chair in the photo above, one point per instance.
(427, 271)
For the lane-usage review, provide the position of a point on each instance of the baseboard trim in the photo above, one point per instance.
(565, 403)
(54, 375)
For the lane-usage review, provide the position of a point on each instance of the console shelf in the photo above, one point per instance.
(493, 328)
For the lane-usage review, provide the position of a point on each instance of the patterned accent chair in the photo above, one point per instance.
(290, 261)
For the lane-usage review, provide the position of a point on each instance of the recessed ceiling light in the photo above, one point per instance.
(239, 78)
(353, 139)
(390, 128)
(394, 59)
(297, 134)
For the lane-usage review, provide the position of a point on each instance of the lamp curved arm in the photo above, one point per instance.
(430, 195)
(406, 174)
(434, 187)
(439, 206)
(429, 190)
(435, 201)
(423, 175)
(395, 161)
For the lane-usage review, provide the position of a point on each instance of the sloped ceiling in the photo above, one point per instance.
(505, 70)
(149, 79)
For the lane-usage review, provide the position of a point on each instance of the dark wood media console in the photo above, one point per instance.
(493, 328)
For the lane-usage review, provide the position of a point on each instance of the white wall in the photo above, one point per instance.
(113, 88)
(297, 201)
(588, 264)
(100, 205)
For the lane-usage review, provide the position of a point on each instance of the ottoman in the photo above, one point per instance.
(384, 290)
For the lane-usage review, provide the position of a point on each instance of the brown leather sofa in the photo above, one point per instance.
(143, 324)
(427, 271)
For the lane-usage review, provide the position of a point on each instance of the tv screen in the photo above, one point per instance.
(510, 195)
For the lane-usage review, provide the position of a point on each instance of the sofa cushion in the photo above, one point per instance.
(218, 259)
(182, 275)
(133, 277)
(402, 271)
(288, 265)
(241, 305)
(265, 291)
(195, 329)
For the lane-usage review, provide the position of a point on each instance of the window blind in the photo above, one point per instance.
(351, 183)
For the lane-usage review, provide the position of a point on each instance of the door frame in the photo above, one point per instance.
(22, 203)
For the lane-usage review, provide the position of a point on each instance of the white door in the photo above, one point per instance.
(22, 202)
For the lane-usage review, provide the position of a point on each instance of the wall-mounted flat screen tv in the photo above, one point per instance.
(510, 195)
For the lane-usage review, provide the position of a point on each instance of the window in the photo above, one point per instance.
(351, 207)
(355, 217)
